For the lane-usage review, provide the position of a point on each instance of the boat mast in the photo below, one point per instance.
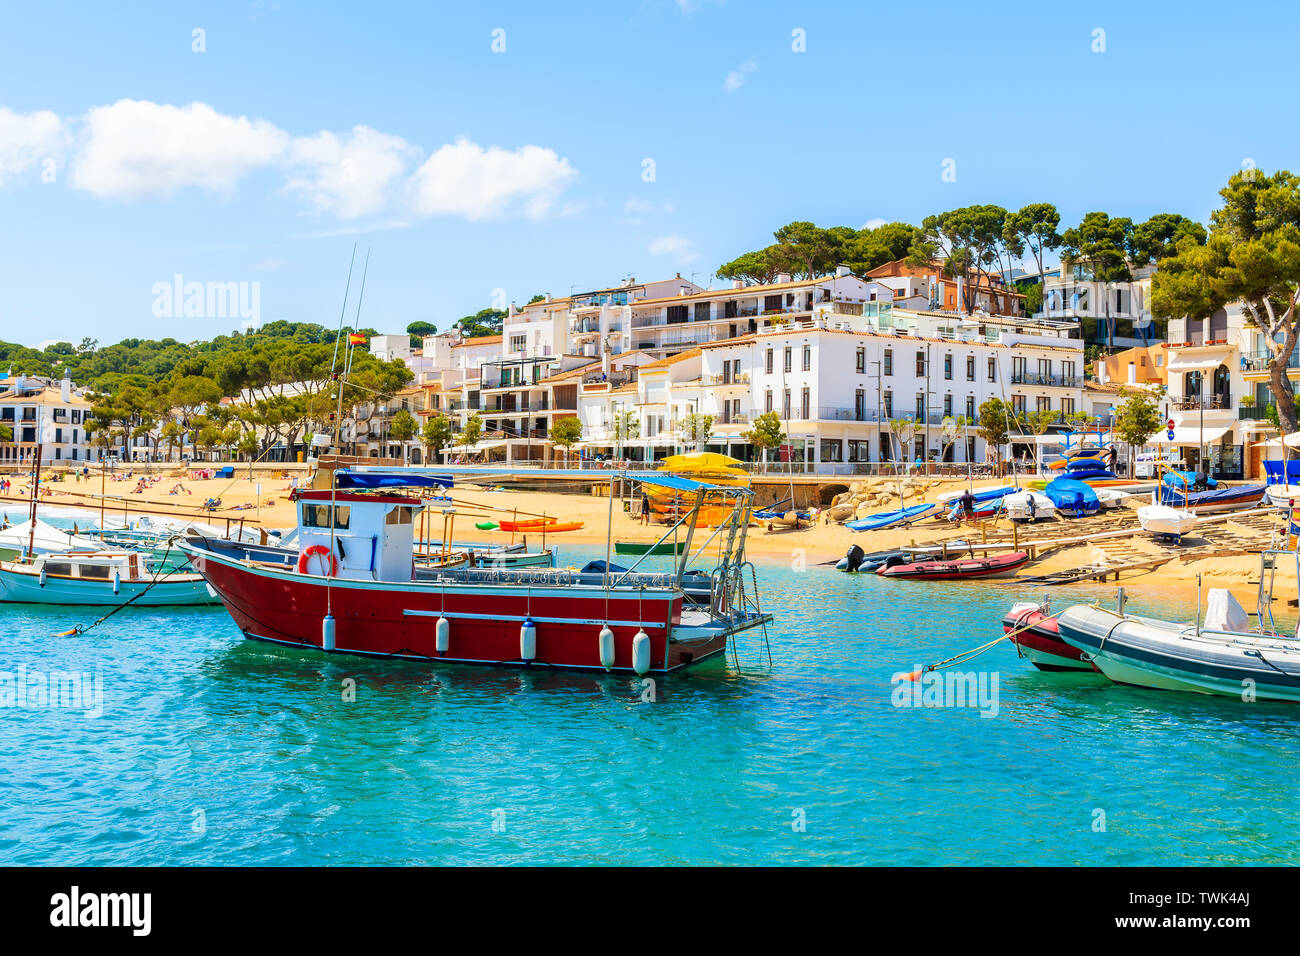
(36, 485)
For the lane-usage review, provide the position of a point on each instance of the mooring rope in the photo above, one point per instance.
(975, 652)
(157, 579)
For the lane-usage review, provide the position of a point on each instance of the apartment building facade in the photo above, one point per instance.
(44, 412)
(835, 386)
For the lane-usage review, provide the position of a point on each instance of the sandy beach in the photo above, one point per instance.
(170, 492)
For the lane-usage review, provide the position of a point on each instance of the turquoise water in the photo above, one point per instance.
(214, 750)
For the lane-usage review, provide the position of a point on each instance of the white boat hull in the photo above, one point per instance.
(1282, 495)
(1016, 506)
(1163, 655)
(1162, 519)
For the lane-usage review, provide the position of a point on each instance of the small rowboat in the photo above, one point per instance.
(637, 547)
(541, 525)
(1033, 630)
(961, 568)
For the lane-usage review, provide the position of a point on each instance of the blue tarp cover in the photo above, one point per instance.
(1072, 496)
(678, 483)
(375, 479)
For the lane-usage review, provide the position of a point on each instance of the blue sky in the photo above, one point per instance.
(465, 170)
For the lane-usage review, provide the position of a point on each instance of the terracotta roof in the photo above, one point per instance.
(50, 395)
(481, 340)
(1058, 348)
(671, 360)
(571, 373)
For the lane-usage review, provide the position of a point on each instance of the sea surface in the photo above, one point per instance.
(215, 750)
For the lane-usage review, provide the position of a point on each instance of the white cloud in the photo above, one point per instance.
(136, 148)
(682, 249)
(350, 176)
(26, 139)
(464, 179)
(736, 78)
(874, 223)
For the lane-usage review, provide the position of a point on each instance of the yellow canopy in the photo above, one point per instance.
(700, 461)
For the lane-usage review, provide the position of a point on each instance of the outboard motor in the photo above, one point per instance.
(854, 558)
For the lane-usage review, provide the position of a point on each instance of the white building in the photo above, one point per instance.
(836, 381)
(50, 412)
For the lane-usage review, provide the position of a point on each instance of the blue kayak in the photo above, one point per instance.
(886, 519)
(1081, 474)
(984, 494)
(1072, 497)
(1084, 464)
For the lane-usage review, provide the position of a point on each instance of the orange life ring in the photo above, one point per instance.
(318, 549)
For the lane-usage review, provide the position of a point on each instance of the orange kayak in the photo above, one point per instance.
(547, 525)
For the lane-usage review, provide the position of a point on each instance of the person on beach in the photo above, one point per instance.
(968, 504)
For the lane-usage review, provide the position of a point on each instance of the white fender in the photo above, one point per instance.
(641, 652)
(528, 640)
(606, 647)
(442, 639)
(327, 632)
(117, 581)
(42, 575)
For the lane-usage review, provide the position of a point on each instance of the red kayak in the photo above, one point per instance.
(1039, 640)
(961, 568)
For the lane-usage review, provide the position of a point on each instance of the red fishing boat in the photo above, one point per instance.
(961, 568)
(1033, 630)
(356, 588)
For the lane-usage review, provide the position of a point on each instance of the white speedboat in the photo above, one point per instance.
(1162, 519)
(1028, 506)
(1221, 656)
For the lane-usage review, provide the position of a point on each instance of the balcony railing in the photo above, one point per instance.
(1258, 361)
(1256, 413)
(1184, 403)
(740, 378)
(1056, 381)
(732, 418)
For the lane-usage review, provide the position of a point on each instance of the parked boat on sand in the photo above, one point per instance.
(888, 519)
(1028, 506)
(1164, 520)
(941, 570)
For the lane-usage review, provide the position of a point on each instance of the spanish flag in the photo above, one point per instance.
(356, 338)
(1293, 528)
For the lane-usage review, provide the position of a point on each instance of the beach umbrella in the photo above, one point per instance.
(1286, 441)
